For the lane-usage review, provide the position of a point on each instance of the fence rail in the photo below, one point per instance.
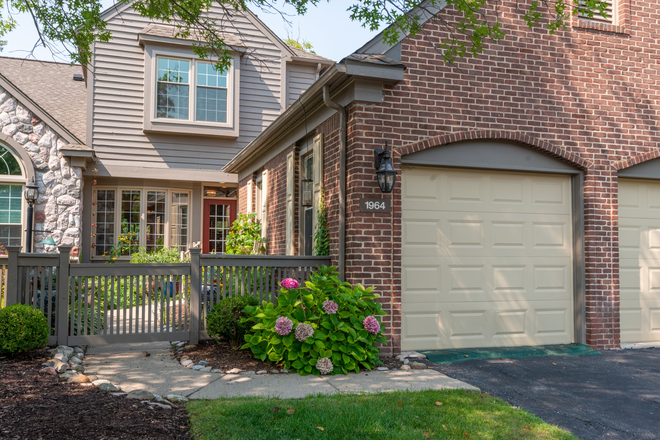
(121, 302)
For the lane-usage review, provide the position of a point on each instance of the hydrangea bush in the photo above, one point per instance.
(324, 327)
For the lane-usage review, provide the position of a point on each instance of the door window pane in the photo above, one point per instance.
(155, 235)
(130, 221)
(219, 224)
(11, 205)
(179, 221)
(105, 220)
(173, 90)
(211, 102)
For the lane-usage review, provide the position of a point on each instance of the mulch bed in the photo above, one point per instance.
(38, 406)
(220, 355)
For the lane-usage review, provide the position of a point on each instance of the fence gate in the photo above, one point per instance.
(125, 302)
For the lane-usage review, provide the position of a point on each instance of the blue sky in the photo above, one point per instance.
(327, 26)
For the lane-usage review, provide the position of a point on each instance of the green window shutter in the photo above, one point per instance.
(250, 190)
(264, 204)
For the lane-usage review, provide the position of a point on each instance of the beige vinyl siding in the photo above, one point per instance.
(119, 90)
(299, 78)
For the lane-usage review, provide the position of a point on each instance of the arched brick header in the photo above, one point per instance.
(636, 160)
(533, 142)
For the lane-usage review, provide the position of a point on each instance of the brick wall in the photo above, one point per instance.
(590, 95)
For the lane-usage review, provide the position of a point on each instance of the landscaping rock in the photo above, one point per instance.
(60, 366)
(118, 394)
(181, 344)
(158, 405)
(405, 367)
(48, 370)
(176, 398)
(275, 371)
(48, 364)
(417, 366)
(78, 350)
(69, 374)
(198, 367)
(74, 361)
(204, 363)
(79, 368)
(61, 357)
(205, 370)
(159, 398)
(107, 386)
(98, 382)
(80, 356)
(183, 358)
(79, 379)
(92, 377)
(247, 373)
(189, 347)
(234, 371)
(405, 361)
(262, 372)
(186, 362)
(68, 351)
(141, 395)
(190, 365)
(217, 371)
(382, 369)
(284, 371)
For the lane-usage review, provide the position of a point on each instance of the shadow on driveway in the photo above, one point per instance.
(612, 396)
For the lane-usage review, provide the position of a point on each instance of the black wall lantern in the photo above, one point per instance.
(31, 194)
(384, 169)
(306, 192)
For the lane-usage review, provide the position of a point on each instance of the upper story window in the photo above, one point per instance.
(610, 11)
(191, 90)
(11, 199)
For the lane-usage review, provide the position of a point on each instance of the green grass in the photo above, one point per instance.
(397, 415)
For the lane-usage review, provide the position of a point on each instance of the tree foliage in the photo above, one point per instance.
(304, 45)
(244, 237)
(77, 24)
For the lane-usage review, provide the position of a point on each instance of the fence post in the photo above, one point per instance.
(195, 294)
(11, 295)
(62, 297)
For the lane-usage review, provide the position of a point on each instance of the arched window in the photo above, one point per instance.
(11, 199)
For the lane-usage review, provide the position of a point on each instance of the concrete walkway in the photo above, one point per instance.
(128, 367)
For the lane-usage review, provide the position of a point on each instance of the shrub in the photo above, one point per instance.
(227, 322)
(22, 328)
(160, 255)
(244, 237)
(319, 328)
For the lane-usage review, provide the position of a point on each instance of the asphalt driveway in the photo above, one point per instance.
(612, 396)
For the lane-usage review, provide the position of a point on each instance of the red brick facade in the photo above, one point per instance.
(587, 95)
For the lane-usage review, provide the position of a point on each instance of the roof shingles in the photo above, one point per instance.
(51, 86)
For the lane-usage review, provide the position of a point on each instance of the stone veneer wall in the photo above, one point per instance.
(59, 206)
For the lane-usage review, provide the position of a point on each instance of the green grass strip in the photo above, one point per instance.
(392, 416)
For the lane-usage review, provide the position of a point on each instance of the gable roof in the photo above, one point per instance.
(49, 88)
(169, 31)
(301, 54)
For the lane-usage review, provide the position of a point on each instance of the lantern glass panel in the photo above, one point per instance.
(31, 194)
(307, 192)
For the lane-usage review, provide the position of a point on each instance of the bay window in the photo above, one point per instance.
(173, 91)
(142, 218)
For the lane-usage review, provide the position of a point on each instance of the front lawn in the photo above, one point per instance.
(397, 415)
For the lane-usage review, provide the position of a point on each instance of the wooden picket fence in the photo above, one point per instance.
(122, 302)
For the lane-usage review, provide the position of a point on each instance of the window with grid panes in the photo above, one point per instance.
(609, 10)
(219, 224)
(11, 200)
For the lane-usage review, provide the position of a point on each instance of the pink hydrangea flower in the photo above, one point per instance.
(371, 325)
(304, 331)
(330, 307)
(289, 283)
(283, 326)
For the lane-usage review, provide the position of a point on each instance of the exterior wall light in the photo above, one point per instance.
(306, 192)
(31, 194)
(384, 169)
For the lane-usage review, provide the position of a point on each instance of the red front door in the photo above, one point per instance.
(218, 217)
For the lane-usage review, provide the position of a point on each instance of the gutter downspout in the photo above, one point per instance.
(342, 179)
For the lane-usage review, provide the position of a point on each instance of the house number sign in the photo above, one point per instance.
(375, 205)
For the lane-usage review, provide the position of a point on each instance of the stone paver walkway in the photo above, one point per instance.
(128, 367)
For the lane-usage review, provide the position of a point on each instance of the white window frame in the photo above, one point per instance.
(143, 214)
(151, 123)
(18, 180)
(614, 18)
(192, 95)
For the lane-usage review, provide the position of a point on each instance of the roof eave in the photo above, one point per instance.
(386, 74)
(146, 39)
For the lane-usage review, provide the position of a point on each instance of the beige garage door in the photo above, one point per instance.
(639, 260)
(486, 259)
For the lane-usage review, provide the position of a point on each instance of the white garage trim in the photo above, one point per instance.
(510, 156)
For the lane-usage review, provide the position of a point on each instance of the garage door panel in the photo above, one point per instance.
(487, 261)
(461, 190)
(639, 272)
